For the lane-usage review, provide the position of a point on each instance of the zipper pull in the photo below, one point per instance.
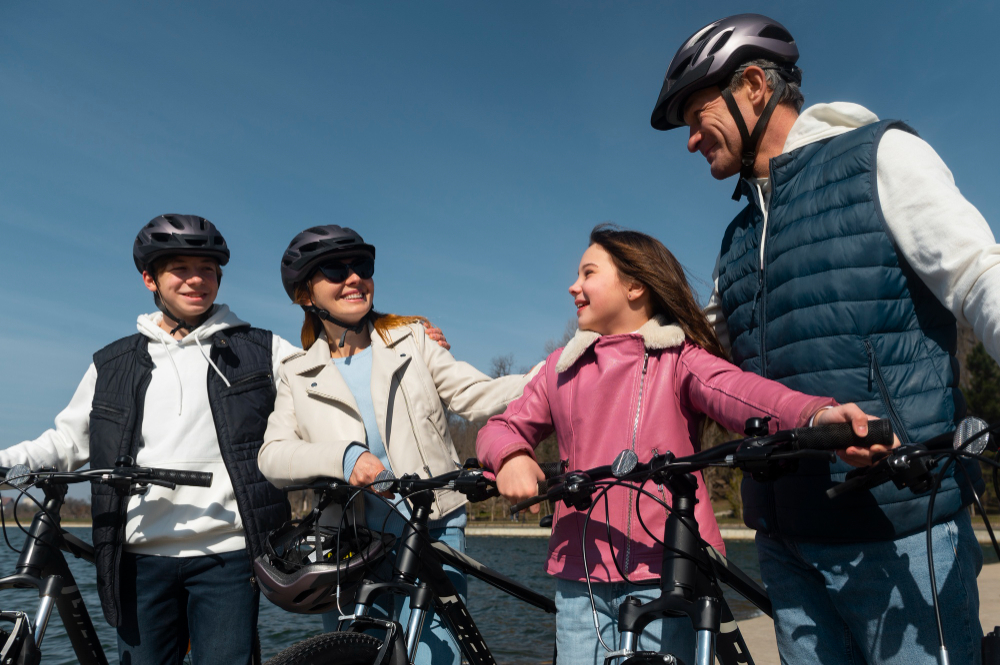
(871, 372)
(645, 362)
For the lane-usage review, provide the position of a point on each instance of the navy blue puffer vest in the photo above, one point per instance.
(240, 411)
(833, 310)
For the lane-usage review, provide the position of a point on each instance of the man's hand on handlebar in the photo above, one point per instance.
(365, 470)
(518, 478)
(850, 413)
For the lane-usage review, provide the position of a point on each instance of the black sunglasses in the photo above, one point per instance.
(338, 271)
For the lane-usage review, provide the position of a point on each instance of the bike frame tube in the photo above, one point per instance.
(41, 558)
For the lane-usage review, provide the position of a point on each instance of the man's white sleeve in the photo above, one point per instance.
(713, 310)
(941, 235)
(280, 349)
(66, 446)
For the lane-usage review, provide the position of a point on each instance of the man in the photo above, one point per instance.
(844, 275)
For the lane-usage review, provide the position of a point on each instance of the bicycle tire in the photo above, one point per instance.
(330, 649)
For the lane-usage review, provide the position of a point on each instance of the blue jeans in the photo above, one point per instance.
(576, 637)
(871, 602)
(168, 600)
(437, 646)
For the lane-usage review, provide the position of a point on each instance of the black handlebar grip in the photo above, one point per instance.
(839, 436)
(553, 469)
(178, 477)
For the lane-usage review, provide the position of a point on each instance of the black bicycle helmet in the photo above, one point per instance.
(313, 246)
(290, 577)
(712, 54)
(169, 235)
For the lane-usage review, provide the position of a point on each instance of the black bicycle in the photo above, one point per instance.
(417, 575)
(42, 562)
(691, 568)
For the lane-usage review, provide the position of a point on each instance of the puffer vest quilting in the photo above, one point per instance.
(240, 412)
(832, 310)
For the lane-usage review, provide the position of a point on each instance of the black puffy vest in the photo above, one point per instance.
(240, 411)
(833, 310)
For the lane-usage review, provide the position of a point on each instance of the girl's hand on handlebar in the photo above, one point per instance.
(365, 470)
(518, 478)
(851, 413)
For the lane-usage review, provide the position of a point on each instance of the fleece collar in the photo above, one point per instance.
(656, 334)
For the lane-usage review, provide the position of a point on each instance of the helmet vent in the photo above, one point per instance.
(218, 240)
(346, 241)
(720, 42)
(309, 247)
(160, 237)
(174, 223)
(775, 32)
(318, 230)
(195, 242)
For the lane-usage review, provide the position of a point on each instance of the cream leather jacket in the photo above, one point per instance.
(414, 382)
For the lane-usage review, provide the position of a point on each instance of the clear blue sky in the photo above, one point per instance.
(475, 143)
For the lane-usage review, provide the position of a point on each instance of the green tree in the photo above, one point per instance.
(983, 394)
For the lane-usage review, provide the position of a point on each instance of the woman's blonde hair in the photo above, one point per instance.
(312, 326)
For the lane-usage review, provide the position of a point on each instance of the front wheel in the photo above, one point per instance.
(331, 649)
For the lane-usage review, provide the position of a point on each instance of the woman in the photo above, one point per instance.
(370, 391)
(642, 372)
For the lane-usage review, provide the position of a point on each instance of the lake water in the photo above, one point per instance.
(518, 634)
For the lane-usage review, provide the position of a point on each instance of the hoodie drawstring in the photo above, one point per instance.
(197, 342)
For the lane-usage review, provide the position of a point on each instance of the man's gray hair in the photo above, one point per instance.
(791, 95)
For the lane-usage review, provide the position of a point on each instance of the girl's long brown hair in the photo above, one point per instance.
(312, 326)
(646, 260)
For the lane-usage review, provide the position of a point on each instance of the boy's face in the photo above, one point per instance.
(188, 285)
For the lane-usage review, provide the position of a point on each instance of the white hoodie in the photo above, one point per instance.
(941, 235)
(178, 432)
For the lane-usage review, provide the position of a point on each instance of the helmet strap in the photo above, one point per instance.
(181, 323)
(356, 328)
(750, 141)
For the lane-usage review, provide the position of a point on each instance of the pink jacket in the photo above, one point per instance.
(646, 391)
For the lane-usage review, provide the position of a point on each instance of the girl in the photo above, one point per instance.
(642, 372)
(370, 392)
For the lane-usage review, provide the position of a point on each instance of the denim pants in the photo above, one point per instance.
(437, 646)
(871, 602)
(576, 637)
(168, 600)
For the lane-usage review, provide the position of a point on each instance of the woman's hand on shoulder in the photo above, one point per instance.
(366, 469)
(851, 413)
(518, 478)
(437, 335)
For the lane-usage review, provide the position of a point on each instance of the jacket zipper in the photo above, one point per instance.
(763, 283)
(140, 408)
(875, 375)
(635, 435)
(253, 377)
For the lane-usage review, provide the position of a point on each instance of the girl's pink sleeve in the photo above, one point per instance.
(728, 395)
(525, 423)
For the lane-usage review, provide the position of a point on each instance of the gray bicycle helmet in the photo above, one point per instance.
(313, 246)
(170, 235)
(712, 54)
(290, 577)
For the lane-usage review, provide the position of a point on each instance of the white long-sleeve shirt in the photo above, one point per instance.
(178, 432)
(938, 232)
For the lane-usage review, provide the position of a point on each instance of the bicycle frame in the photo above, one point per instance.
(687, 589)
(421, 557)
(42, 566)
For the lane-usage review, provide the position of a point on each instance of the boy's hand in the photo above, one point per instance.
(518, 478)
(437, 335)
(365, 470)
(851, 413)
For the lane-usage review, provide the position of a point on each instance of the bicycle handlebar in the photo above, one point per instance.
(130, 474)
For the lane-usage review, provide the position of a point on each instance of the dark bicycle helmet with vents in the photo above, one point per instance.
(172, 235)
(309, 249)
(291, 578)
(712, 54)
